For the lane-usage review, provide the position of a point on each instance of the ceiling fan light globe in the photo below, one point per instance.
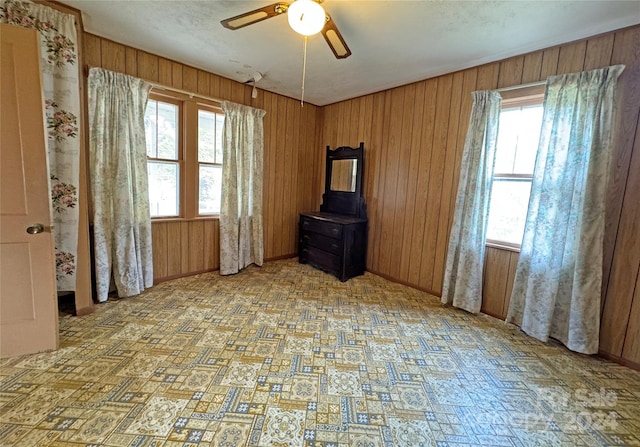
(306, 17)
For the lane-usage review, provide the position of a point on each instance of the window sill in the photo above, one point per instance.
(184, 219)
(503, 246)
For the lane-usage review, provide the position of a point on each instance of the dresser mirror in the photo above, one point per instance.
(335, 238)
(343, 176)
(343, 182)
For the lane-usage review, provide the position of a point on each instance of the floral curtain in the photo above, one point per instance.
(241, 209)
(119, 183)
(61, 93)
(462, 284)
(556, 291)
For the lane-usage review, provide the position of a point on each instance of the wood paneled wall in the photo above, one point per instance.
(183, 247)
(620, 329)
(414, 136)
(499, 273)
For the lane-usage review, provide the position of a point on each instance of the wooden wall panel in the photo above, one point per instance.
(531, 68)
(631, 351)
(598, 52)
(131, 61)
(174, 249)
(374, 163)
(423, 207)
(388, 237)
(412, 178)
(402, 211)
(494, 285)
(511, 71)
(622, 234)
(184, 247)
(448, 187)
(431, 244)
(410, 183)
(196, 248)
(269, 167)
(499, 272)
(92, 50)
(488, 77)
(113, 56)
(165, 72)
(176, 75)
(147, 65)
(571, 57)
(203, 83)
(549, 63)
(160, 258)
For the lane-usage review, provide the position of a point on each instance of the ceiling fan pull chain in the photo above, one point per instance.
(304, 70)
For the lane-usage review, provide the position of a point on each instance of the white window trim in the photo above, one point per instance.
(515, 98)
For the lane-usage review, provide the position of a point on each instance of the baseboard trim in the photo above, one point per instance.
(278, 258)
(404, 283)
(620, 360)
(182, 275)
(491, 314)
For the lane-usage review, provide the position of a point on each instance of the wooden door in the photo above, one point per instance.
(28, 299)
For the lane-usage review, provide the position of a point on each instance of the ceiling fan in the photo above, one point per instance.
(306, 17)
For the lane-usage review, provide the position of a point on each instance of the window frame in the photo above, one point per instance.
(188, 151)
(216, 110)
(180, 152)
(525, 96)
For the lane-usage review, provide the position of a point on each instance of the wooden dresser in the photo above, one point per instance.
(334, 243)
(335, 239)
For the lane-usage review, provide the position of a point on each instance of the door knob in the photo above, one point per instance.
(35, 229)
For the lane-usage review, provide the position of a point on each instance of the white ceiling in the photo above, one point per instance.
(393, 42)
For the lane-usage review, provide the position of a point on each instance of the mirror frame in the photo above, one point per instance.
(344, 202)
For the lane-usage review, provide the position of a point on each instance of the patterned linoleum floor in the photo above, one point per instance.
(285, 355)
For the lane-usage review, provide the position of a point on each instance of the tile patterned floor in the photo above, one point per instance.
(285, 355)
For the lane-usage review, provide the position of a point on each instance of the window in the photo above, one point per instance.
(518, 137)
(209, 161)
(184, 156)
(161, 123)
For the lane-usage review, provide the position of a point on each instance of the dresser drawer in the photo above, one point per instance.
(322, 242)
(330, 229)
(322, 259)
(333, 243)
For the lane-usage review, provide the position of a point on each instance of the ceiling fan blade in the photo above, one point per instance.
(335, 39)
(255, 16)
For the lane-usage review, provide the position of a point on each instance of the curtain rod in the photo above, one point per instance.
(518, 87)
(185, 92)
(164, 87)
